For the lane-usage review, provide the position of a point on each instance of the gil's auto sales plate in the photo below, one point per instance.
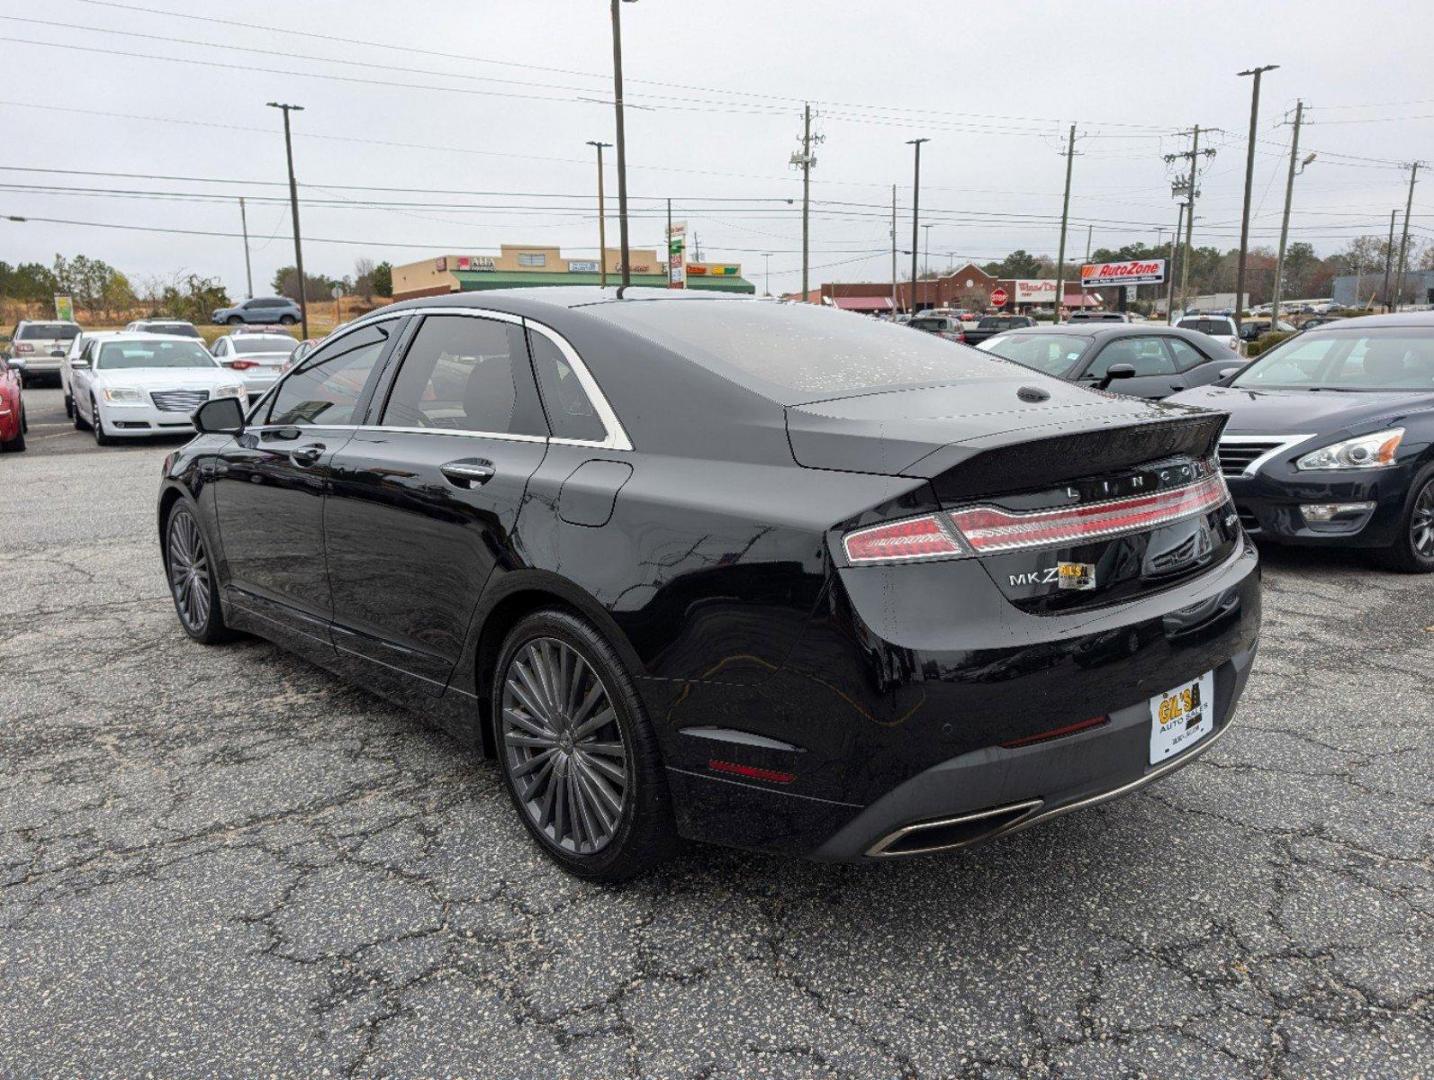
(1181, 717)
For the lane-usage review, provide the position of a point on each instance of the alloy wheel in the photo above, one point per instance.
(563, 746)
(1421, 525)
(189, 571)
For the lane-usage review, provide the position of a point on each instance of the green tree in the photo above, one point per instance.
(383, 278)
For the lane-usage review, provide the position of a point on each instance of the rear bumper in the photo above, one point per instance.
(863, 739)
(1271, 507)
(1002, 790)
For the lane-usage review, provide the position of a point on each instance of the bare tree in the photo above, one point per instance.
(363, 279)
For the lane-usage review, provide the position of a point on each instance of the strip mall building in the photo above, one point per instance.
(521, 266)
(969, 287)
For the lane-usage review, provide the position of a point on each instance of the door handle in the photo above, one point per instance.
(307, 455)
(1177, 386)
(468, 474)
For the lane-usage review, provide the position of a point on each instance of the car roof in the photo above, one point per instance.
(539, 299)
(141, 335)
(1422, 319)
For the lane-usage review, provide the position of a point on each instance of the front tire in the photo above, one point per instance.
(233, 320)
(1413, 551)
(97, 425)
(192, 582)
(577, 753)
(69, 407)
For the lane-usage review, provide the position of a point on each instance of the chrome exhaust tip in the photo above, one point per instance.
(953, 833)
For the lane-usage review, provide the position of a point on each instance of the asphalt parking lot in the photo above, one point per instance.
(223, 861)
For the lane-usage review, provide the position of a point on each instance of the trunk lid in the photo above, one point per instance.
(1023, 447)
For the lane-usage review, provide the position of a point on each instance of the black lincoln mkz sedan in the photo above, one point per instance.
(761, 574)
(1331, 439)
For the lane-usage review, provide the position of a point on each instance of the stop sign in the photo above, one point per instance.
(999, 297)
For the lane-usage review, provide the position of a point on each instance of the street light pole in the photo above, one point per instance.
(602, 219)
(915, 216)
(1285, 220)
(1249, 183)
(1060, 297)
(621, 137)
(1404, 237)
(294, 206)
(1389, 259)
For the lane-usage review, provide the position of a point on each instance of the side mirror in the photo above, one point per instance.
(221, 416)
(1226, 374)
(1116, 371)
(79, 365)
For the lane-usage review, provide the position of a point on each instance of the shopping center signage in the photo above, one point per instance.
(582, 266)
(465, 262)
(714, 269)
(1134, 272)
(1035, 290)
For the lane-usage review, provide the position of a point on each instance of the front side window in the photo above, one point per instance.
(466, 374)
(570, 411)
(1146, 354)
(326, 388)
(126, 355)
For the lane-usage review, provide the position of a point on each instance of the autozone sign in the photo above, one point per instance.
(1135, 272)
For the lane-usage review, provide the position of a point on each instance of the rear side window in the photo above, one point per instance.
(1213, 327)
(794, 352)
(466, 374)
(326, 388)
(570, 411)
(1186, 355)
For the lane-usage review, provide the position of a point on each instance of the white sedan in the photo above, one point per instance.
(132, 385)
(258, 359)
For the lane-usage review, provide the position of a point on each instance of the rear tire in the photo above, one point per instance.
(192, 582)
(287, 320)
(1413, 551)
(577, 753)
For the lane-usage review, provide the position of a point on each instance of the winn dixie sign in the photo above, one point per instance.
(1134, 272)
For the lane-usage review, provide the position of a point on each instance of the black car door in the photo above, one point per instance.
(270, 483)
(1155, 374)
(426, 498)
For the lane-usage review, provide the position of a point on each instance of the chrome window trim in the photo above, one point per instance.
(1286, 442)
(617, 438)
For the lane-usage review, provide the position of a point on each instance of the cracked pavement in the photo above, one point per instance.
(224, 861)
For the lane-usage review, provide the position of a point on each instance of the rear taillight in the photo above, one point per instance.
(240, 365)
(900, 541)
(23, 347)
(982, 530)
(990, 529)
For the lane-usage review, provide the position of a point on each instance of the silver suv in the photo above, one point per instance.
(264, 309)
(38, 348)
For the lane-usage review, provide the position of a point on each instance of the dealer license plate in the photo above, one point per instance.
(1181, 717)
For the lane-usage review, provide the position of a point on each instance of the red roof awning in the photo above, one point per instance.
(862, 303)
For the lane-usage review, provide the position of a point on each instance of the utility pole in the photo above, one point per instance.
(926, 250)
(1249, 184)
(895, 304)
(294, 206)
(805, 161)
(1089, 229)
(1170, 269)
(1389, 258)
(621, 138)
(1189, 189)
(767, 271)
(1285, 221)
(244, 225)
(602, 219)
(671, 281)
(1404, 237)
(915, 216)
(1065, 215)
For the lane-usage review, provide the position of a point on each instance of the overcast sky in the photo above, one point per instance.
(502, 95)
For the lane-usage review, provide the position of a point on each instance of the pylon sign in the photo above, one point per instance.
(676, 256)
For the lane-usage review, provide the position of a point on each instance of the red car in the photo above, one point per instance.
(12, 408)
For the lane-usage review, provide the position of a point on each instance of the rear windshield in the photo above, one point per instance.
(1395, 358)
(256, 344)
(1212, 327)
(178, 329)
(122, 355)
(997, 322)
(49, 331)
(930, 324)
(1052, 353)
(795, 352)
